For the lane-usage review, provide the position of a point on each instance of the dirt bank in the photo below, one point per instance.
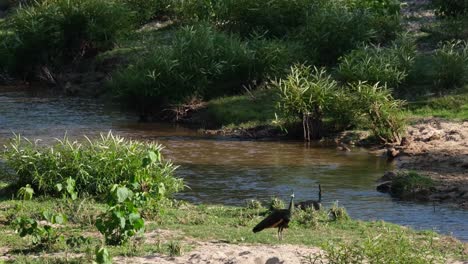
(439, 149)
(218, 252)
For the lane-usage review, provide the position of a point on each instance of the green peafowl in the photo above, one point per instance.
(278, 218)
(316, 204)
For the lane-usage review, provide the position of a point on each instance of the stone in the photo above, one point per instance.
(384, 187)
(388, 176)
(392, 153)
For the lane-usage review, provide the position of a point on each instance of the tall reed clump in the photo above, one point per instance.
(48, 33)
(94, 165)
(200, 61)
(307, 93)
(381, 112)
(451, 65)
(376, 64)
(333, 28)
(275, 17)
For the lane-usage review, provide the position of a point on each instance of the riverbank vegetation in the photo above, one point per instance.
(215, 49)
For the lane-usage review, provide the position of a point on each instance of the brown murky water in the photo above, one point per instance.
(230, 171)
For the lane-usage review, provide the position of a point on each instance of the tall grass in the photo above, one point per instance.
(451, 65)
(94, 165)
(371, 63)
(333, 28)
(57, 31)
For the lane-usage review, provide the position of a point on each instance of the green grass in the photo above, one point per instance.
(453, 107)
(208, 222)
(252, 109)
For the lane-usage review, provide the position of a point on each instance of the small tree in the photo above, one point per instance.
(307, 93)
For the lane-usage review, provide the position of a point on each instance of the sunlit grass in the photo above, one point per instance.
(454, 107)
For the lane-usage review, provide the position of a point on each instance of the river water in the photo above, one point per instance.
(230, 171)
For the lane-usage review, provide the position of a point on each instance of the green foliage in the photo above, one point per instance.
(332, 29)
(386, 7)
(102, 256)
(41, 235)
(67, 189)
(92, 165)
(57, 31)
(387, 247)
(276, 17)
(122, 220)
(338, 213)
(448, 28)
(276, 204)
(450, 7)
(145, 10)
(307, 93)
(199, 62)
(410, 183)
(308, 218)
(26, 193)
(254, 204)
(174, 249)
(451, 65)
(377, 64)
(383, 114)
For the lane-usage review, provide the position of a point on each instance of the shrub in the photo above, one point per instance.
(93, 165)
(383, 114)
(410, 183)
(371, 63)
(199, 62)
(144, 10)
(332, 29)
(306, 93)
(451, 65)
(122, 219)
(450, 7)
(276, 17)
(57, 31)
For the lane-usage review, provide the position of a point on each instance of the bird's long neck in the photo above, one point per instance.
(320, 194)
(291, 204)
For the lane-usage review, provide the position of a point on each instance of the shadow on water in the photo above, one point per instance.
(230, 171)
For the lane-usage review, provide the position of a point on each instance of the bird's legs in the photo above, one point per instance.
(280, 233)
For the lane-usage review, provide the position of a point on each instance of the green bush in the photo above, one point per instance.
(387, 65)
(94, 165)
(307, 93)
(145, 10)
(332, 29)
(450, 7)
(58, 31)
(451, 65)
(410, 183)
(382, 114)
(199, 62)
(276, 17)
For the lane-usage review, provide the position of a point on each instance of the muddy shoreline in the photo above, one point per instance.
(437, 149)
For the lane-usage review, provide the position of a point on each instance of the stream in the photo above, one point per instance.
(230, 171)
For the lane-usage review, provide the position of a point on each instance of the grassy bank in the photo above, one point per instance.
(182, 224)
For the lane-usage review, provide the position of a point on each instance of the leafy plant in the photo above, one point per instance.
(175, 248)
(122, 220)
(145, 10)
(333, 28)
(92, 166)
(199, 62)
(102, 256)
(306, 93)
(48, 33)
(26, 193)
(41, 235)
(410, 183)
(377, 64)
(383, 113)
(68, 190)
(451, 65)
(276, 204)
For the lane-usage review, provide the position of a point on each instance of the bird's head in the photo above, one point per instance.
(292, 195)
